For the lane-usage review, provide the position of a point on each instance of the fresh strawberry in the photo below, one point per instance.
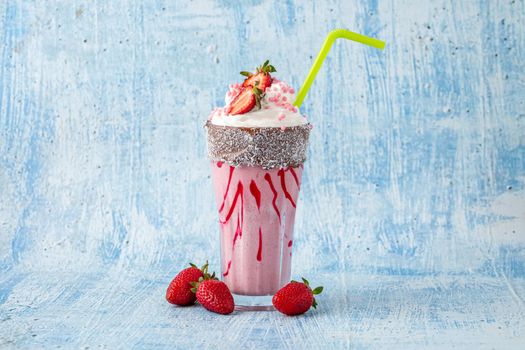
(244, 102)
(179, 291)
(295, 298)
(261, 78)
(214, 295)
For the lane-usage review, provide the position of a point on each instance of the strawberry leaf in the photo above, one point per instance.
(204, 268)
(246, 74)
(265, 68)
(305, 281)
(317, 290)
(194, 284)
(314, 304)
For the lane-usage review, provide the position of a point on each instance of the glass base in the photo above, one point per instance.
(253, 302)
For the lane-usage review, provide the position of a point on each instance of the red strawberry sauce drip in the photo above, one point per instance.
(259, 251)
(239, 193)
(268, 178)
(227, 269)
(294, 176)
(256, 194)
(283, 185)
(227, 187)
(238, 232)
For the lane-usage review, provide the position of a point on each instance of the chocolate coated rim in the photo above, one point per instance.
(267, 147)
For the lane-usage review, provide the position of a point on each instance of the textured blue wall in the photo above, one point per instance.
(416, 164)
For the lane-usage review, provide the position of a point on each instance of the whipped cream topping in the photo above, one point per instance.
(276, 109)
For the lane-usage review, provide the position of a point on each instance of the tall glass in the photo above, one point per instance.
(256, 215)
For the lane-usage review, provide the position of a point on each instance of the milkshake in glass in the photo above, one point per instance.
(257, 146)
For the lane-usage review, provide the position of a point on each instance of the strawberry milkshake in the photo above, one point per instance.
(257, 146)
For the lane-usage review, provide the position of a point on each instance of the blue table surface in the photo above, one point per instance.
(412, 207)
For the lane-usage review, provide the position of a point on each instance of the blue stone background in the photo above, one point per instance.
(412, 209)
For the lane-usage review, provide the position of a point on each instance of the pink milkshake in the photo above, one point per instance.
(256, 216)
(257, 145)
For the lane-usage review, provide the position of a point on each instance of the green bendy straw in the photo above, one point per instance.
(334, 34)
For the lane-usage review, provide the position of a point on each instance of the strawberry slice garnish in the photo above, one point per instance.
(261, 78)
(253, 89)
(244, 102)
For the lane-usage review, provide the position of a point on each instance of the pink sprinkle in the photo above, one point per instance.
(292, 91)
(281, 116)
(284, 98)
(283, 128)
(310, 126)
(294, 109)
